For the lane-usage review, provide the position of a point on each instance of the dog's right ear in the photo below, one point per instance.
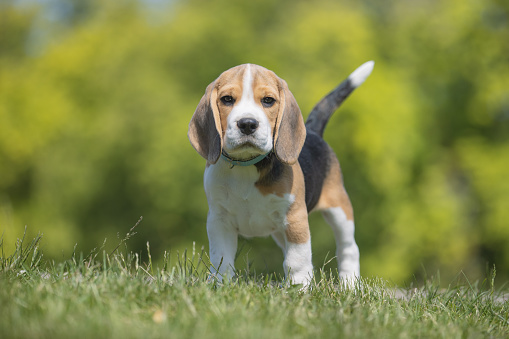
(205, 131)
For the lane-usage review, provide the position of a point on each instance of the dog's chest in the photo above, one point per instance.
(235, 201)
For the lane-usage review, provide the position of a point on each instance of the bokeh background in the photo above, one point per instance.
(96, 96)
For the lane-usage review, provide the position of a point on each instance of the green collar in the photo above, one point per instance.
(248, 162)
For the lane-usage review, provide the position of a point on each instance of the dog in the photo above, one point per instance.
(266, 170)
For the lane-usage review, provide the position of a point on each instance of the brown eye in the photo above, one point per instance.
(268, 101)
(227, 100)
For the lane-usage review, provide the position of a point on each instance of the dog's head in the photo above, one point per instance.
(246, 112)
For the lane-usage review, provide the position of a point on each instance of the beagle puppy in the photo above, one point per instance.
(266, 170)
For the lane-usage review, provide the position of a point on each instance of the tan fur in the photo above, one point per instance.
(228, 83)
(267, 84)
(297, 231)
(280, 187)
(333, 191)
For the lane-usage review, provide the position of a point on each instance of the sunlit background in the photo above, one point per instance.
(96, 97)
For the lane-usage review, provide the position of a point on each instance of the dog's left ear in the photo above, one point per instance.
(205, 131)
(290, 132)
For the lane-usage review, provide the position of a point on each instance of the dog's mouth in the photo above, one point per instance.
(244, 151)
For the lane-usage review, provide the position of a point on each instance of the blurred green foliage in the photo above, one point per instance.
(95, 99)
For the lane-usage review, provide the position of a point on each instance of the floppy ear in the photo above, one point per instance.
(290, 132)
(205, 127)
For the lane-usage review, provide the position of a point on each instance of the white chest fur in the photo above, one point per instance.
(235, 201)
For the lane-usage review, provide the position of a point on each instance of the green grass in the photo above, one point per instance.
(112, 295)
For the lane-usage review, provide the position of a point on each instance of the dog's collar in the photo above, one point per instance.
(247, 162)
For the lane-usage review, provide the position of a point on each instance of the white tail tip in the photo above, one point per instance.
(361, 73)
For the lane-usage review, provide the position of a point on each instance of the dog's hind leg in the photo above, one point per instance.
(337, 210)
(347, 251)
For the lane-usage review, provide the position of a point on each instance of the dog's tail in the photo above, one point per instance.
(321, 113)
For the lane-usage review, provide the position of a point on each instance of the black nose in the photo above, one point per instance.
(247, 125)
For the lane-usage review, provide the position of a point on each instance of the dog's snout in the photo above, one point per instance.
(247, 125)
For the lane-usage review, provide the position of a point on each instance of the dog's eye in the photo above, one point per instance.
(227, 100)
(268, 101)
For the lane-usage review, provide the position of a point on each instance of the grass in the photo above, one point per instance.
(115, 296)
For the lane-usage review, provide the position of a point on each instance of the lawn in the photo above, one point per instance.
(114, 295)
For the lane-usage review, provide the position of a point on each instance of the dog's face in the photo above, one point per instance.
(246, 112)
(248, 100)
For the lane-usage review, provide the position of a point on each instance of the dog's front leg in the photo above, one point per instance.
(222, 248)
(298, 265)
